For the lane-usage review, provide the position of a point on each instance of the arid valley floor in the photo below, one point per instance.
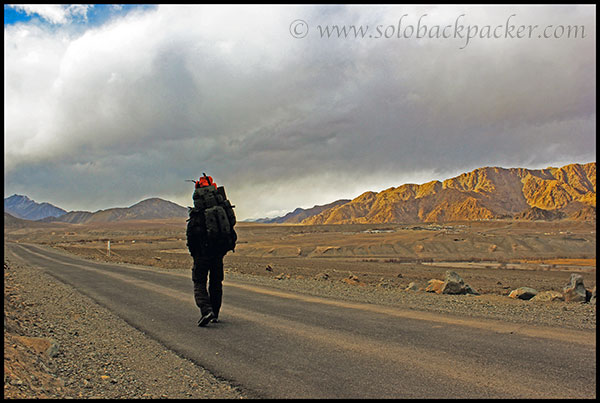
(364, 263)
(491, 256)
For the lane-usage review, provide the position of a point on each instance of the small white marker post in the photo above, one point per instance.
(108, 248)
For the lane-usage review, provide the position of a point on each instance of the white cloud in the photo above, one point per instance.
(55, 13)
(135, 106)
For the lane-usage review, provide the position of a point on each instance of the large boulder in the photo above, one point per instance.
(575, 291)
(452, 284)
(525, 293)
(434, 285)
(548, 296)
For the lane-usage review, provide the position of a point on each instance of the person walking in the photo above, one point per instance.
(210, 235)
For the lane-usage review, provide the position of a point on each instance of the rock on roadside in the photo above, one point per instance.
(575, 291)
(452, 284)
(525, 293)
(548, 296)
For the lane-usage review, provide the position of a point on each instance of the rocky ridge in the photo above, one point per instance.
(23, 207)
(145, 210)
(483, 194)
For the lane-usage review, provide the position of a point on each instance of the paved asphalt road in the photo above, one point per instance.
(275, 344)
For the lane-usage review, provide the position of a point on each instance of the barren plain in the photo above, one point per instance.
(369, 263)
(493, 257)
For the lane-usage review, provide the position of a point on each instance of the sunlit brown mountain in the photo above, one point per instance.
(486, 193)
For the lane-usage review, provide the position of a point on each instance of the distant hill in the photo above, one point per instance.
(300, 214)
(11, 223)
(485, 193)
(145, 210)
(587, 213)
(23, 207)
(535, 213)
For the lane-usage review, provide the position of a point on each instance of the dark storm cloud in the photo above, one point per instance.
(132, 108)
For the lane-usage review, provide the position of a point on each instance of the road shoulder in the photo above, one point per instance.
(98, 355)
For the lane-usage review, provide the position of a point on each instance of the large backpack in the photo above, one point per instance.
(211, 220)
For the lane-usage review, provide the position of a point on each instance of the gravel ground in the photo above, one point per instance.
(555, 313)
(101, 356)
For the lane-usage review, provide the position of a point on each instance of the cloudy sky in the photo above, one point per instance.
(108, 105)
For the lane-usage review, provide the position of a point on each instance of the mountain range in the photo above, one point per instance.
(300, 214)
(20, 206)
(145, 210)
(483, 194)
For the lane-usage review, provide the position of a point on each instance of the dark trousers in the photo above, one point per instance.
(211, 269)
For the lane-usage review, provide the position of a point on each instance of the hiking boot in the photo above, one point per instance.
(214, 320)
(206, 319)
